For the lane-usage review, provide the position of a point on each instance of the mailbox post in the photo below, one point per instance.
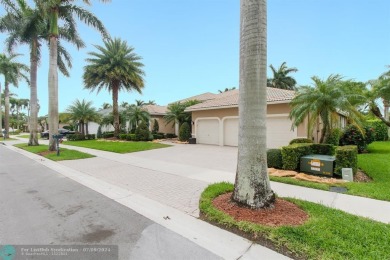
(57, 138)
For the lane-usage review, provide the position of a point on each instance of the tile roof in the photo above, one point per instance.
(155, 109)
(201, 97)
(230, 99)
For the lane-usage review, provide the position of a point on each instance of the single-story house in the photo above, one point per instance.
(155, 111)
(215, 121)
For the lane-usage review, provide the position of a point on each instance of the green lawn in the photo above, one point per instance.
(375, 164)
(24, 136)
(65, 154)
(117, 147)
(328, 234)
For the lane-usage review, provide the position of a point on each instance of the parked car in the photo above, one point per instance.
(62, 132)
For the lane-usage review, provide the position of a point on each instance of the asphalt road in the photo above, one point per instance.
(39, 206)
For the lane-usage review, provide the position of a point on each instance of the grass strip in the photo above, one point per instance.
(65, 154)
(117, 146)
(328, 234)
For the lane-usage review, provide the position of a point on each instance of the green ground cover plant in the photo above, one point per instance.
(117, 147)
(375, 163)
(65, 154)
(327, 234)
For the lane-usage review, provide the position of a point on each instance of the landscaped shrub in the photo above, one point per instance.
(274, 158)
(122, 136)
(171, 135)
(158, 136)
(142, 132)
(291, 155)
(156, 127)
(380, 129)
(90, 137)
(346, 157)
(184, 132)
(334, 137)
(99, 132)
(326, 149)
(108, 134)
(130, 137)
(75, 137)
(353, 136)
(300, 141)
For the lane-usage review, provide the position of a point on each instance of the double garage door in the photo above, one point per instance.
(225, 132)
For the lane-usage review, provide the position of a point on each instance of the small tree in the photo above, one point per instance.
(156, 127)
(184, 132)
(142, 132)
(99, 132)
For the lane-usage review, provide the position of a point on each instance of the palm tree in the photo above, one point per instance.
(176, 113)
(324, 101)
(12, 71)
(281, 79)
(106, 106)
(381, 89)
(83, 112)
(137, 114)
(115, 67)
(151, 102)
(227, 89)
(252, 185)
(139, 103)
(26, 25)
(63, 10)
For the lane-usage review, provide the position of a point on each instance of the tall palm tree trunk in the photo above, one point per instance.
(252, 186)
(53, 93)
(33, 118)
(6, 109)
(115, 112)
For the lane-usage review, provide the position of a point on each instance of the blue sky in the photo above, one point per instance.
(191, 47)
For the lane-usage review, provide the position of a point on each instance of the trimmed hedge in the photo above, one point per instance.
(346, 157)
(274, 158)
(80, 137)
(108, 134)
(170, 135)
(159, 136)
(300, 141)
(291, 155)
(326, 149)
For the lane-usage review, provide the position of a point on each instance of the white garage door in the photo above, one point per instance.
(207, 131)
(230, 132)
(279, 132)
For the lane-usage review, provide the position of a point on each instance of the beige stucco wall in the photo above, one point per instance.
(272, 109)
(163, 128)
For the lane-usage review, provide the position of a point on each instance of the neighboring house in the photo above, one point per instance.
(215, 121)
(158, 113)
(155, 111)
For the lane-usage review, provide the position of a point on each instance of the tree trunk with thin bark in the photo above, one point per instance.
(33, 118)
(115, 111)
(252, 186)
(53, 93)
(6, 109)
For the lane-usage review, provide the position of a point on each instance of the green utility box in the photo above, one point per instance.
(318, 164)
